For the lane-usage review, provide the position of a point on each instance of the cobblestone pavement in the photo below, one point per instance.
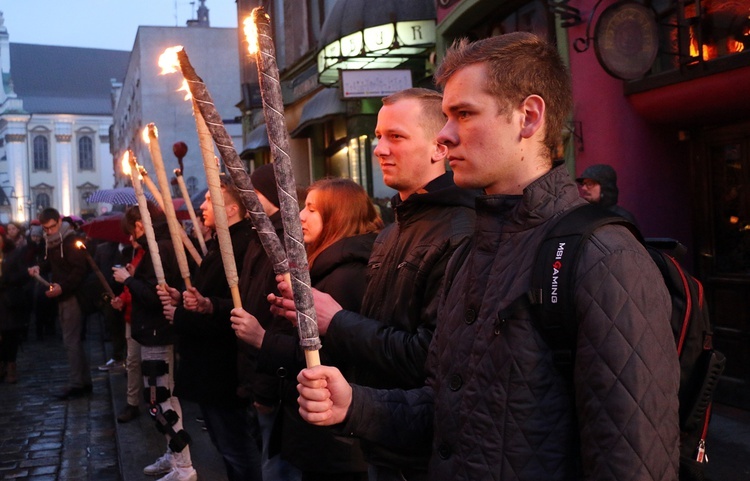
(43, 438)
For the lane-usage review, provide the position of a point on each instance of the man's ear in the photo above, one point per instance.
(533, 109)
(440, 153)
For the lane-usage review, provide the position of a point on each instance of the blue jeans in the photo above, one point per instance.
(235, 435)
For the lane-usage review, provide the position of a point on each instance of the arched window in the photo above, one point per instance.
(85, 153)
(192, 186)
(42, 202)
(41, 153)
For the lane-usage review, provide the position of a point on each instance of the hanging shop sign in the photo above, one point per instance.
(380, 47)
(626, 40)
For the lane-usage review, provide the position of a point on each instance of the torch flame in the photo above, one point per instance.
(251, 34)
(144, 135)
(186, 88)
(80, 245)
(126, 163)
(168, 60)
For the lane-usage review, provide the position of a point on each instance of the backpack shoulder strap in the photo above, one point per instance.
(552, 281)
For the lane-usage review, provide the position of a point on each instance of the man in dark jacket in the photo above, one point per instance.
(68, 266)
(207, 373)
(494, 405)
(387, 342)
(257, 278)
(599, 186)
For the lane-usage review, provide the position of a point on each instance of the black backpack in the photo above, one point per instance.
(551, 303)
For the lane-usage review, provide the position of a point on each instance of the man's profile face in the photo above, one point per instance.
(404, 149)
(483, 143)
(207, 207)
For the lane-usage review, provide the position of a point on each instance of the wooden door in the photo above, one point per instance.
(722, 181)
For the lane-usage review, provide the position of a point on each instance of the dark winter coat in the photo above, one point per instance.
(207, 344)
(339, 271)
(257, 279)
(14, 300)
(499, 407)
(388, 342)
(66, 263)
(148, 325)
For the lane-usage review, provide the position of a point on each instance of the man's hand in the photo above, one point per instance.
(283, 306)
(34, 271)
(325, 308)
(192, 300)
(119, 274)
(325, 305)
(117, 303)
(169, 312)
(54, 290)
(247, 327)
(169, 296)
(324, 395)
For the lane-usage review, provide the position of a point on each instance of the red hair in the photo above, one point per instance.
(345, 211)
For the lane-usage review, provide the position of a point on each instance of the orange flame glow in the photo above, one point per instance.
(186, 88)
(147, 131)
(126, 163)
(251, 34)
(168, 60)
(80, 245)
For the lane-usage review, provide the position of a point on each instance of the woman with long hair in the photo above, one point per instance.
(339, 225)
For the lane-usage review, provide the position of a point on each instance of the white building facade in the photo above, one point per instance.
(55, 116)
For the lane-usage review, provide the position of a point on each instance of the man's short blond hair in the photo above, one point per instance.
(431, 101)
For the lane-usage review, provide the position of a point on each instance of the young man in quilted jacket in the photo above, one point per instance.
(494, 404)
(387, 341)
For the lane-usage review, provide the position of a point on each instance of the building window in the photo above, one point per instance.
(42, 202)
(85, 153)
(192, 186)
(41, 153)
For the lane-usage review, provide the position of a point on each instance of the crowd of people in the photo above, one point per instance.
(423, 375)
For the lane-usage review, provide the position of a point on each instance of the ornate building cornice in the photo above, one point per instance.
(15, 138)
(63, 137)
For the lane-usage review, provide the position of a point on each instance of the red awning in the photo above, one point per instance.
(717, 98)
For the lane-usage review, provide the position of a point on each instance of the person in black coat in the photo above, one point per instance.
(13, 303)
(155, 333)
(339, 225)
(207, 373)
(44, 308)
(66, 263)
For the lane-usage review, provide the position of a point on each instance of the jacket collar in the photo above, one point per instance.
(541, 200)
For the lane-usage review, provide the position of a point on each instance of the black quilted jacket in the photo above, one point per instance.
(389, 341)
(501, 410)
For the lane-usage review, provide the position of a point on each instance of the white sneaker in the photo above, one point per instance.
(108, 365)
(163, 465)
(181, 474)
